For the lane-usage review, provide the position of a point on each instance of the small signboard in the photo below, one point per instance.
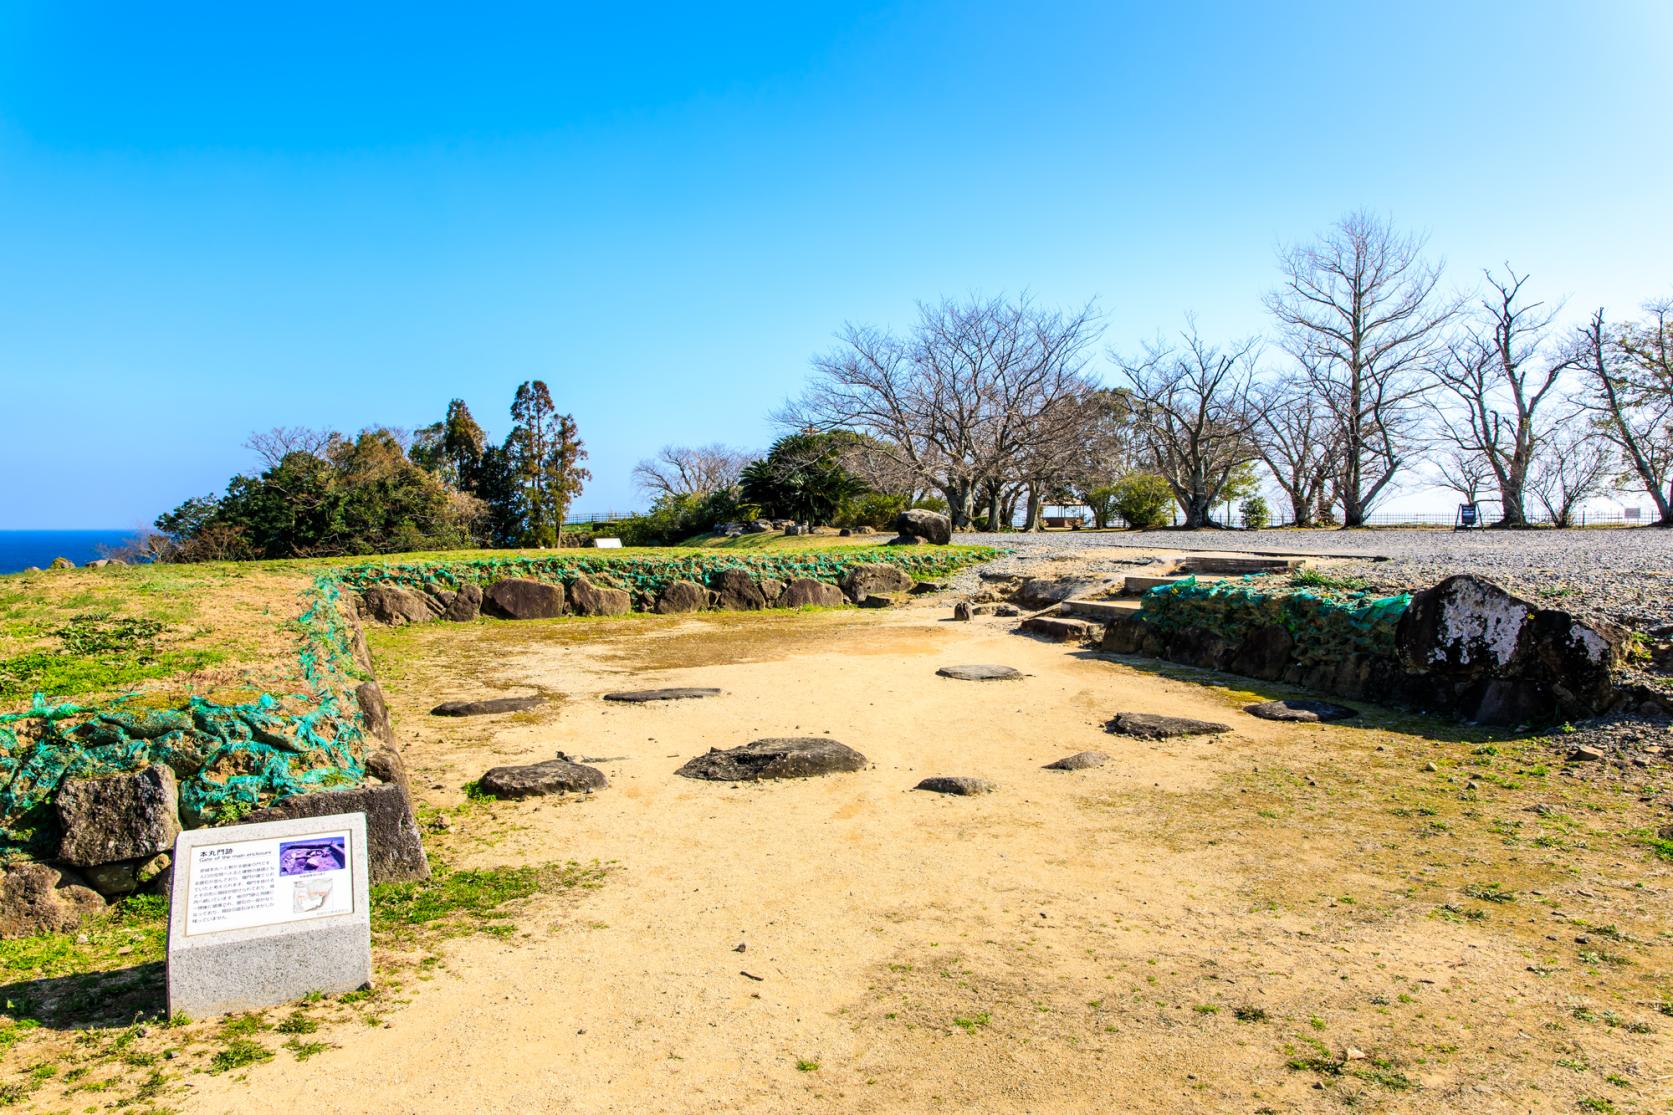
(607, 543)
(264, 914)
(1468, 516)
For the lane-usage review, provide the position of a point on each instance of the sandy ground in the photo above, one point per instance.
(1074, 942)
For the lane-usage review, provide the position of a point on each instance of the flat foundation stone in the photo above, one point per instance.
(488, 707)
(1145, 725)
(554, 776)
(980, 673)
(795, 757)
(1301, 711)
(956, 784)
(1080, 760)
(646, 696)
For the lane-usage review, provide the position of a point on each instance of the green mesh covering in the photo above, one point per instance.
(227, 757)
(645, 577)
(232, 757)
(1325, 628)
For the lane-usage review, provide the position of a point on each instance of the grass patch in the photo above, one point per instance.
(457, 902)
(239, 1053)
(973, 1023)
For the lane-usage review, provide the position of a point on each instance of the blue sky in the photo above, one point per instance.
(221, 218)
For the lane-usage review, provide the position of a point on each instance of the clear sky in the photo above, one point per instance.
(223, 217)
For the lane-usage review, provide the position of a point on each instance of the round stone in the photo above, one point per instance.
(1081, 760)
(956, 784)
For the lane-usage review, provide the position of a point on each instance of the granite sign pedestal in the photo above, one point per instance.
(264, 914)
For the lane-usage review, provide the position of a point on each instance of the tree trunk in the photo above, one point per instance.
(1511, 511)
(1198, 510)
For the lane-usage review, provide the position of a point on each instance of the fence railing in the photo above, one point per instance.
(587, 518)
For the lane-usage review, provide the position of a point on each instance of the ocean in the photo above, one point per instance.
(19, 549)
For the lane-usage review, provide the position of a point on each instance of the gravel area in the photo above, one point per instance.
(1624, 575)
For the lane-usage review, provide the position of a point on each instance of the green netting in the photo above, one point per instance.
(645, 577)
(1324, 628)
(227, 757)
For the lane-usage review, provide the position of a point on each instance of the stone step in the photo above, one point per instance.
(1101, 610)
(1235, 566)
(1137, 584)
(1063, 629)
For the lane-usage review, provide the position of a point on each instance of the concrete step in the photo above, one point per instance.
(1236, 566)
(1101, 610)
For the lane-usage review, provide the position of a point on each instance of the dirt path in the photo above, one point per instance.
(1197, 926)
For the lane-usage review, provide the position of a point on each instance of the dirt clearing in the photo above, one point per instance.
(1394, 915)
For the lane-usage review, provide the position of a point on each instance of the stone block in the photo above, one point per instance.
(118, 817)
(394, 849)
(255, 923)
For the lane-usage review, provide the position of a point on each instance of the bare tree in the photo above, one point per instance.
(281, 441)
(1571, 465)
(1297, 440)
(701, 471)
(1631, 368)
(1360, 309)
(1193, 416)
(956, 403)
(1463, 471)
(1496, 377)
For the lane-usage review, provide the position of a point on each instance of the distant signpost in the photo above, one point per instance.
(265, 914)
(1468, 516)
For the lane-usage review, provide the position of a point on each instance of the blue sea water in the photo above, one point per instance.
(19, 549)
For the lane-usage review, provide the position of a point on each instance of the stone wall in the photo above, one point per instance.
(1464, 648)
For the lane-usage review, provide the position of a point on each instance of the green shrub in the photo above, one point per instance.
(873, 509)
(1255, 512)
(1143, 499)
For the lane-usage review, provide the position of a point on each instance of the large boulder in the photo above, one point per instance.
(1503, 659)
(1264, 653)
(772, 591)
(802, 757)
(386, 765)
(393, 605)
(875, 578)
(1043, 592)
(804, 591)
(375, 709)
(465, 605)
(521, 598)
(554, 776)
(682, 596)
(588, 599)
(118, 817)
(915, 522)
(35, 898)
(736, 591)
(394, 849)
